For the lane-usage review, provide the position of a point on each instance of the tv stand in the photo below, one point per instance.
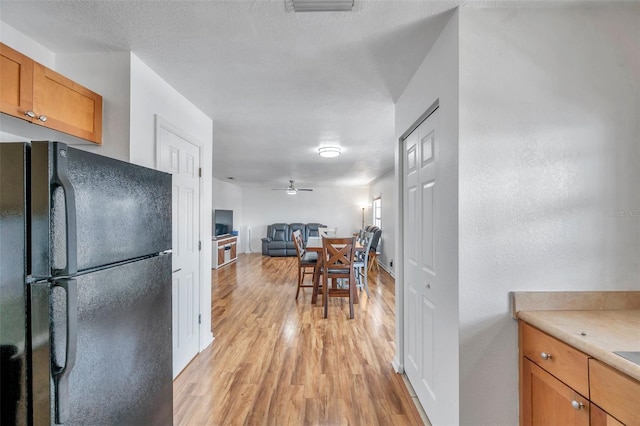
(224, 250)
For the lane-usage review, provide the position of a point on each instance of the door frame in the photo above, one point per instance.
(398, 360)
(205, 336)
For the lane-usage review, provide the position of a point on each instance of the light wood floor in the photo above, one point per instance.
(276, 361)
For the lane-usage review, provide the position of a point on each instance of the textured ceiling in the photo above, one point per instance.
(277, 84)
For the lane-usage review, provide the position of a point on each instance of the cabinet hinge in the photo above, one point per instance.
(199, 171)
(199, 245)
(199, 318)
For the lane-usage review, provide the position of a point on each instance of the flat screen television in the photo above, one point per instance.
(222, 222)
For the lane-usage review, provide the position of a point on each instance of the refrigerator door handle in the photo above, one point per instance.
(61, 179)
(61, 373)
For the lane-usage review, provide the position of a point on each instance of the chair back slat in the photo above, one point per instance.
(366, 241)
(338, 258)
(304, 263)
(297, 238)
(327, 232)
(338, 252)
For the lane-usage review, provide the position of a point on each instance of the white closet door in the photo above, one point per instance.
(182, 159)
(421, 281)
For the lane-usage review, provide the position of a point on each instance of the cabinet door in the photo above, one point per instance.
(220, 254)
(548, 401)
(234, 247)
(66, 106)
(615, 392)
(600, 418)
(16, 84)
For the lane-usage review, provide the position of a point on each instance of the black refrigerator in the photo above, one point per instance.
(85, 289)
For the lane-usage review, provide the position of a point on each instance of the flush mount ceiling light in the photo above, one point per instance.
(320, 5)
(329, 151)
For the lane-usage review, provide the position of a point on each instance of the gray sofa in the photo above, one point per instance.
(279, 240)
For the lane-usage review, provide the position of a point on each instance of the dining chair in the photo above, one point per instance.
(361, 263)
(327, 232)
(306, 261)
(337, 263)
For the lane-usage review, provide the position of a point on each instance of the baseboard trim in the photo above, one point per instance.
(387, 270)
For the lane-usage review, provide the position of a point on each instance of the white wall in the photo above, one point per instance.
(28, 47)
(549, 105)
(437, 78)
(385, 188)
(227, 196)
(151, 96)
(334, 207)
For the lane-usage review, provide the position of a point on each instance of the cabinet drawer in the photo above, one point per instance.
(617, 393)
(564, 362)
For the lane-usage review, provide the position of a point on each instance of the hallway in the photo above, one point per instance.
(275, 360)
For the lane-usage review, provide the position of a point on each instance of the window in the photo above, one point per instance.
(377, 212)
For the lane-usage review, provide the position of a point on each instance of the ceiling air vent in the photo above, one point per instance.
(319, 5)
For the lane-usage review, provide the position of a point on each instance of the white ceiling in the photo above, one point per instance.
(277, 84)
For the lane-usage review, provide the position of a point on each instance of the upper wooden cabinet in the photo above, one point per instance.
(33, 92)
(16, 82)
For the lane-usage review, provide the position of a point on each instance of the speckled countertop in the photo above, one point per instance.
(605, 331)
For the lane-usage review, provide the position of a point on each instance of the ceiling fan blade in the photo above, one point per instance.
(292, 189)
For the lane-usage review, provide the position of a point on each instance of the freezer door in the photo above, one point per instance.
(111, 346)
(13, 271)
(103, 211)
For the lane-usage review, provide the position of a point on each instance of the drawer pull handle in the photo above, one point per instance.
(545, 356)
(577, 405)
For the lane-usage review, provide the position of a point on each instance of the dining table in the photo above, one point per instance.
(314, 244)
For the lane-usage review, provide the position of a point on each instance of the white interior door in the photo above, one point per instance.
(181, 158)
(421, 281)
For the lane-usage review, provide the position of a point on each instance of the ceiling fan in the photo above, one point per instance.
(291, 189)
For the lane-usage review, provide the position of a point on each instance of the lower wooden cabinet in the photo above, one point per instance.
(548, 401)
(560, 385)
(599, 417)
(615, 392)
